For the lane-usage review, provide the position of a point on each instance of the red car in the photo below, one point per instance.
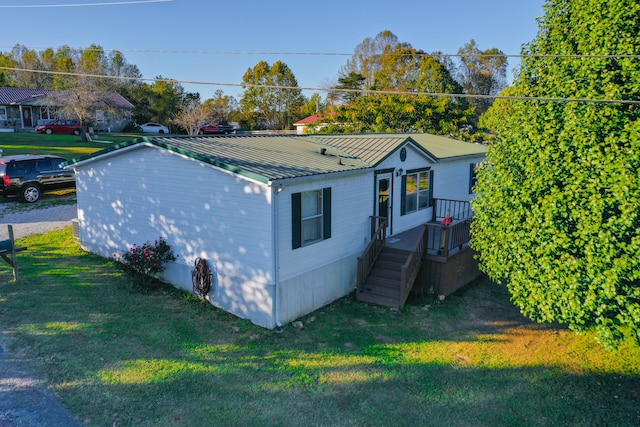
(60, 126)
(209, 128)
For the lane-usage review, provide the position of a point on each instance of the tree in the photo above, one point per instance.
(82, 103)
(557, 206)
(314, 106)
(8, 62)
(481, 73)
(220, 108)
(367, 57)
(349, 88)
(191, 117)
(393, 66)
(271, 99)
(400, 113)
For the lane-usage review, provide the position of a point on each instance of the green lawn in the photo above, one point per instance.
(67, 146)
(119, 356)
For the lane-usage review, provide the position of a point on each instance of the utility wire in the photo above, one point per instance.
(282, 53)
(328, 89)
(111, 3)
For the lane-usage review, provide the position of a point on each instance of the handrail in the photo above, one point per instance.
(410, 269)
(443, 238)
(368, 258)
(455, 209)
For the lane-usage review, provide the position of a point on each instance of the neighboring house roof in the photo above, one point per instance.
(10, 95)
(308, 120)
(314, 118)
(275, 157)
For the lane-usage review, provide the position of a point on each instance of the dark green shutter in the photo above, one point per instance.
(471, 174)
(403, 196)
(326, 211)
(296, 219)
(431, 187)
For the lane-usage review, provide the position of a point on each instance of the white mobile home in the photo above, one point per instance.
(280, 220)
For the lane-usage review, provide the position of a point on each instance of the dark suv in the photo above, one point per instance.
(28, 176)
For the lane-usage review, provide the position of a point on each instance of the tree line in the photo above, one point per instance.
(361, 99)
(558, 199)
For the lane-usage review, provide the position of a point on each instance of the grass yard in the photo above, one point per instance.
(116, 356)
(67, 146)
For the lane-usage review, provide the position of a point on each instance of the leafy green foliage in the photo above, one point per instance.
(271, 99)
(558, 216)
(144, 263)
(482, 72)
(400, 113)
(385, 64)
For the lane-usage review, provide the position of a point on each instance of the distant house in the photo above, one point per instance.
(21, 109)
(280, 220)
(311, 124)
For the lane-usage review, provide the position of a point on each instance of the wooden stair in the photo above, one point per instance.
(383, 284)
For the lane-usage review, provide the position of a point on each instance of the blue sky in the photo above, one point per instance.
(147, 30)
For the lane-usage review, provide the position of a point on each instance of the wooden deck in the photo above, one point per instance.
(437, 255)
(440, 244)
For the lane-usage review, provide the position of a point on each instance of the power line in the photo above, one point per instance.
(284, 53)
(328, 89)
(111, 3)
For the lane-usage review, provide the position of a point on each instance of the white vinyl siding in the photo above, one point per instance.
(202, 211)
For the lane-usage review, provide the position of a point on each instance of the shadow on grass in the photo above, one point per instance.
(161, 357)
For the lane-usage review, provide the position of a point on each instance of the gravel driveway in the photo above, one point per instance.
(24, 398)
(37, 221)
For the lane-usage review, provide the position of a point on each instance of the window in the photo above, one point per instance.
(43, 165)
(3, 113)
(311, 217)
(417, 191)
(473, 175)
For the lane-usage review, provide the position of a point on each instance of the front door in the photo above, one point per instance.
(383, 198)
(27, 120)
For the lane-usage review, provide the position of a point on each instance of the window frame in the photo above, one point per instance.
(3, 113)
(323, 217)
(406, 207)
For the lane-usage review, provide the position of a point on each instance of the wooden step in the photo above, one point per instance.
(388, 265)
(379, 299)
(393, 255)
(391, 274)
(383, 284)
(380, 289)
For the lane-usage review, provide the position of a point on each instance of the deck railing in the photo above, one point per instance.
(442, 239)
(372, 251)
(455, 209)
(409, 271)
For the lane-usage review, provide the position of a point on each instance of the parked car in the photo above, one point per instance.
(28, 176)
(210, 128)
(153, 128)
(59, 126)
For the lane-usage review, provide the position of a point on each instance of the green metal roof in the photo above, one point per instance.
(441, 147)
(374, 148)
(273, 157)
(261, 157)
